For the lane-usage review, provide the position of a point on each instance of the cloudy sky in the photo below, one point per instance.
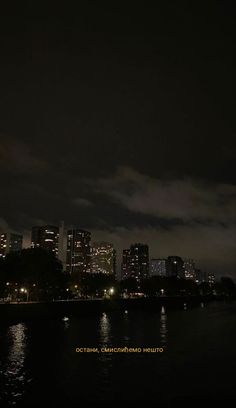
(121, 120)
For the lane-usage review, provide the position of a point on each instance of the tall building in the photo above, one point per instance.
(78, 258)
(103, 258)
(175, 267)
(62, 245)
(211, 278)
(46, 237)
(136, 262)
(158, 267)
(125, 266)
(10, 242)
(189, 269)
(201, 276)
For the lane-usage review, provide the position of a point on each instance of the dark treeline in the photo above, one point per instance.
(36, 274)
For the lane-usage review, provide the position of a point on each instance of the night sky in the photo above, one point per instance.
(120, 118)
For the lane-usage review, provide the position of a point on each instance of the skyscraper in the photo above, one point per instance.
(211, 279)
(78, 259)
(62, 245)
(46, 237)
(103, 258)
(201, 276)
(10, 242)
(175, 267)
(125, 266)
(189, 269)
(158, 267)
(136, 262)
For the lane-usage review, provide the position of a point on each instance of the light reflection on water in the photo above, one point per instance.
(13, 371)
(105, 328)
(163, 327)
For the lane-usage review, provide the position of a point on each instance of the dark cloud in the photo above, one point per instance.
(184, 200)
(17, 156)
(121, 120)
(83, 202)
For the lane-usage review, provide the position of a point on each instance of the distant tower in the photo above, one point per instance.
(211, 279)
(189, 269)
(125, 266)
(10, 242)
(78, 258)
(136, 262)
(103, 258)
(201, 276)
(45, 237)
(175, 267)
(62, 245)
(158, 267)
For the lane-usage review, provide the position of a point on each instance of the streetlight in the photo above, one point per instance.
(111, 291)
(23, 290)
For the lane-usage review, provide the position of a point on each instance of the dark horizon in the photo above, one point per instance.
(120, 119)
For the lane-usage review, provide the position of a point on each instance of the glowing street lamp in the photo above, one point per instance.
(111, 291)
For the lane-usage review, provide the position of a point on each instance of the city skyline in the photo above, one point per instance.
(77, 250)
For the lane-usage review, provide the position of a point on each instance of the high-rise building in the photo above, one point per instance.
(189, 269)
(78, 259)
(136, 262)
(211, 278)
(201, 276)
(10, 242)
(158, 267)
(46, 237)
(103, 258)
(125, 266)
(175, 267)
(62, 245)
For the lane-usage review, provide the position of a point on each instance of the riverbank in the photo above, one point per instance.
(69, 308)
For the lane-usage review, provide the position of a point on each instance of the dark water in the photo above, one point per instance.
(39, 364)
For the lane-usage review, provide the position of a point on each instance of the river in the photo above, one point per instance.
(40, 365)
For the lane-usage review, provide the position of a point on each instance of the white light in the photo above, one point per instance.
(8, 283)
(111, 291)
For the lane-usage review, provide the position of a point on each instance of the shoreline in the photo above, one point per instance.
(84, 307)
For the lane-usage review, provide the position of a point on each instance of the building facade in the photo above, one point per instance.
(78, 257)
(103, 258)
(189, 269)
(211, 279)
(45, 237)
(125, 265)
(10, 242)
(175, 267)
(136, 262)
(201, 276)
(158, 267)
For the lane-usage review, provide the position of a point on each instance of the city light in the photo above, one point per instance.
(23, 290)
